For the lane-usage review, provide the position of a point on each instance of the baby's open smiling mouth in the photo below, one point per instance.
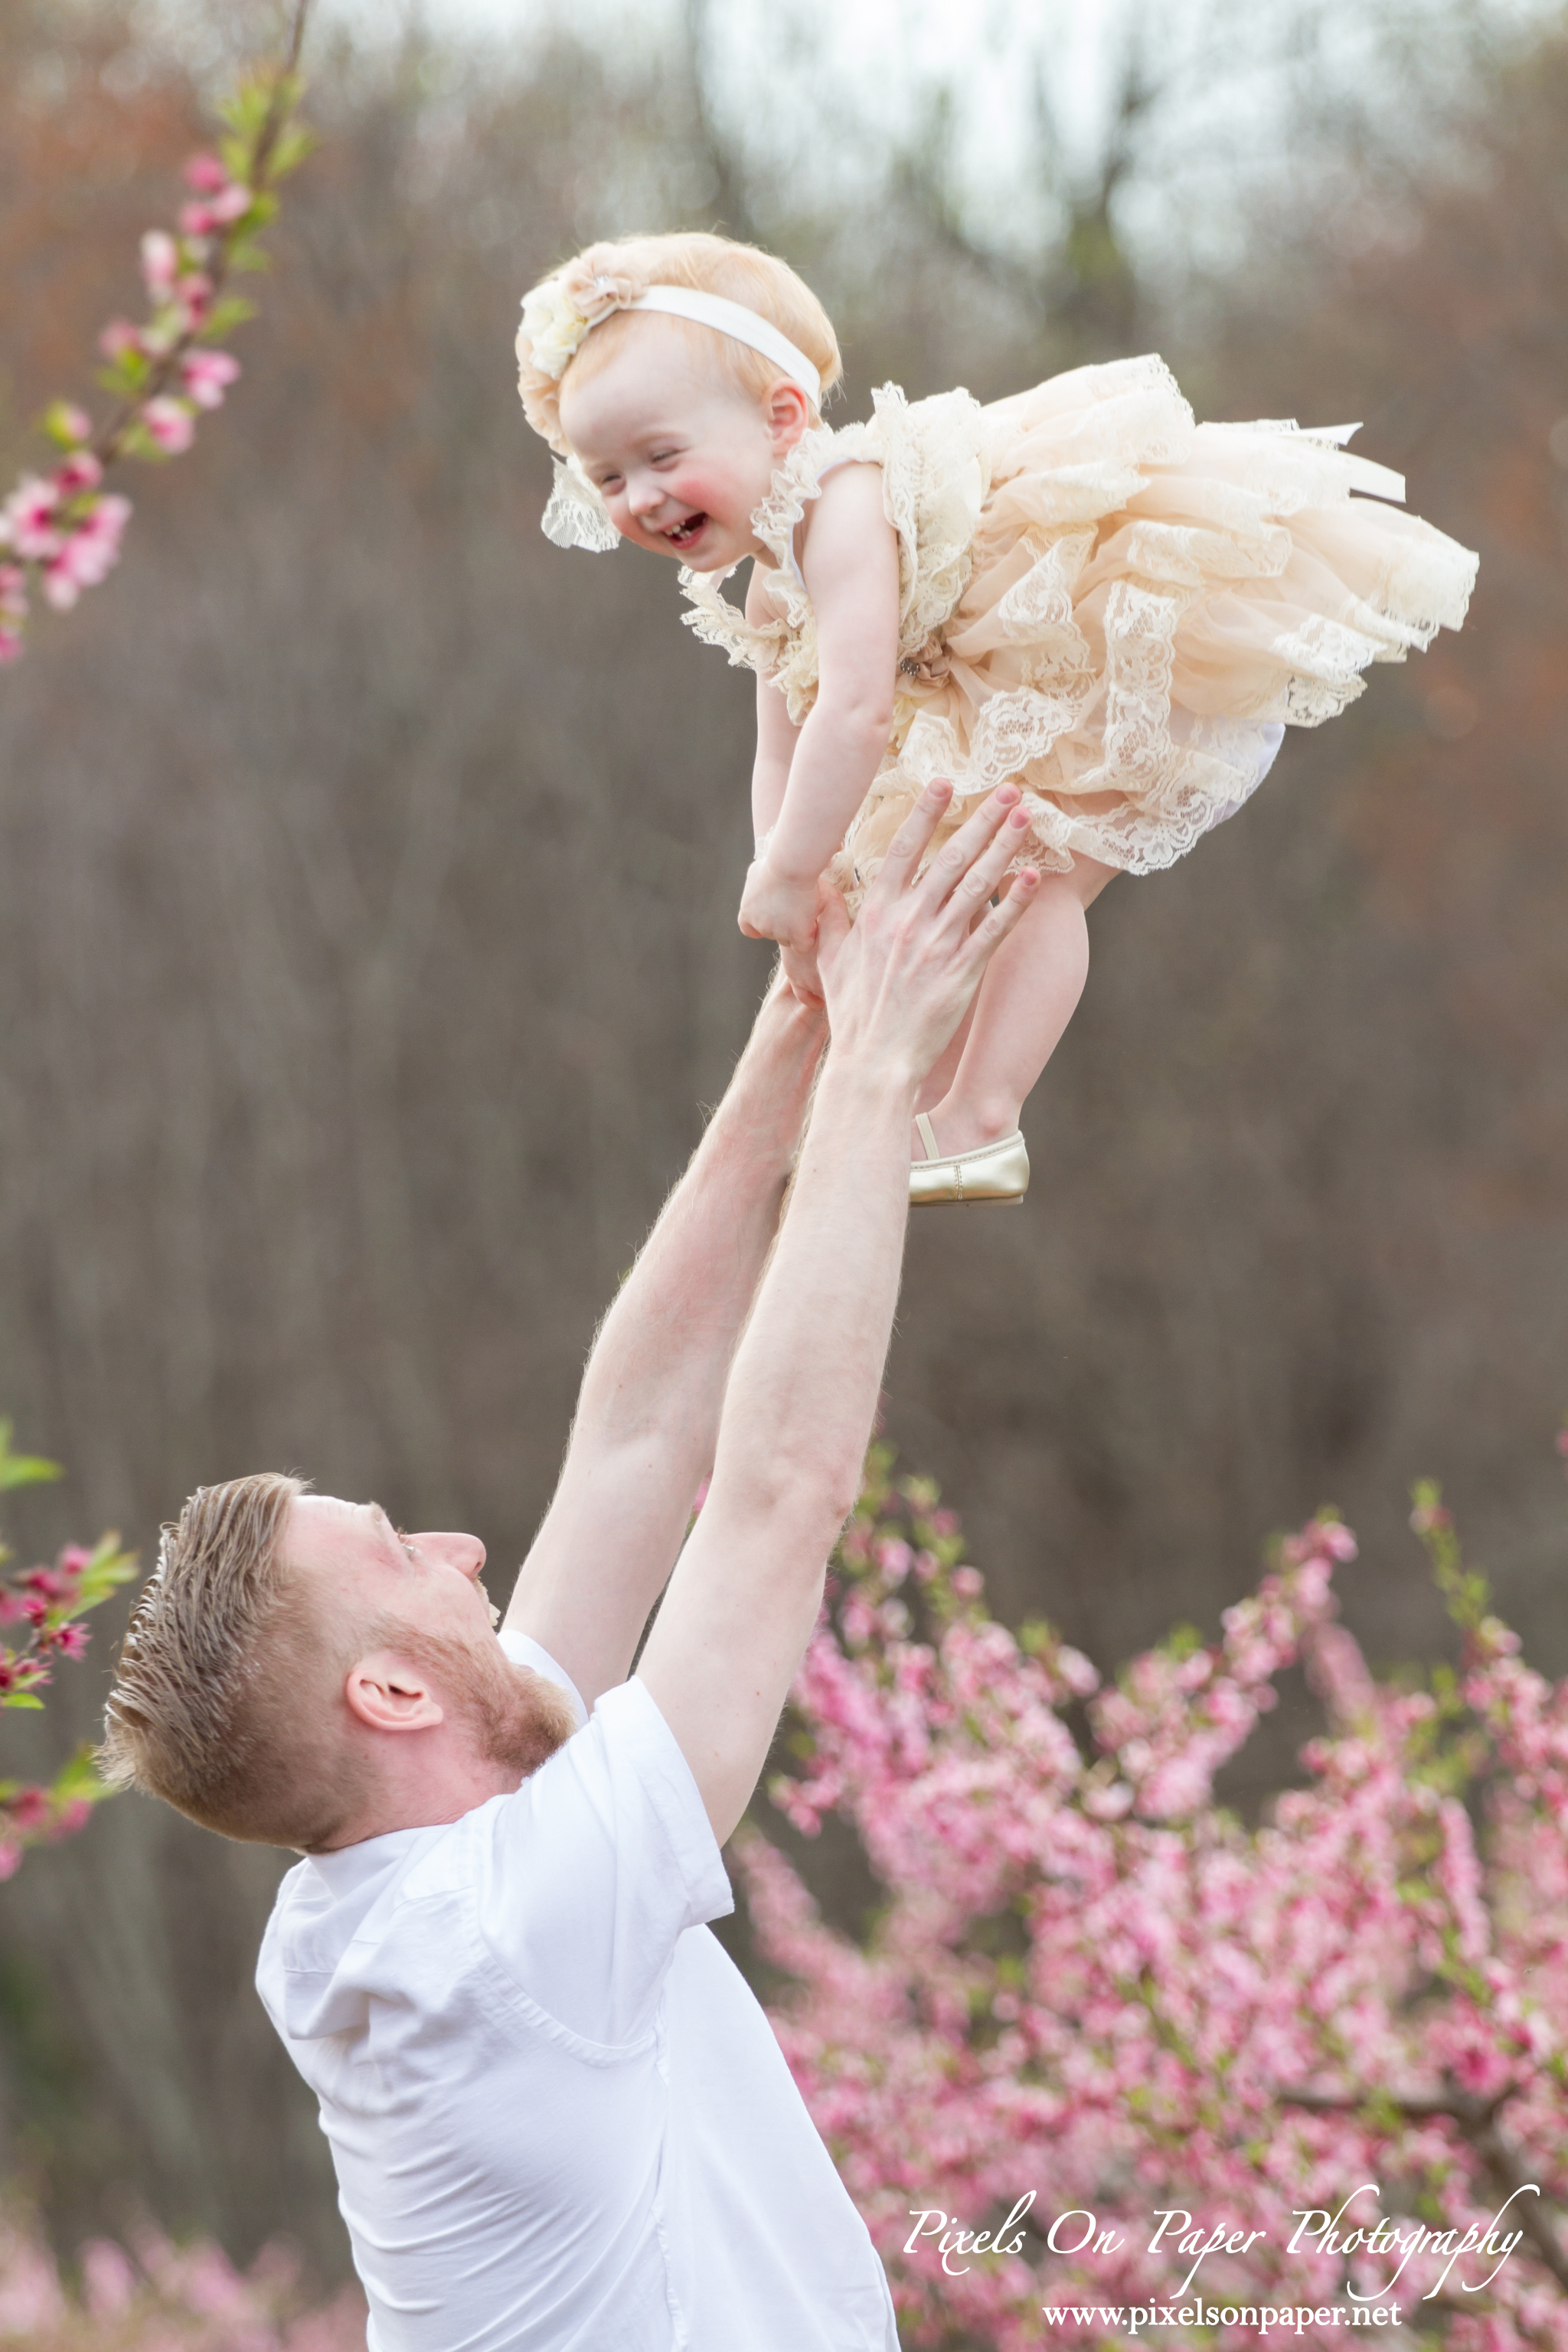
(682, 533)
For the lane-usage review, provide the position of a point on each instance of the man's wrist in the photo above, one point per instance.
(871, 1072)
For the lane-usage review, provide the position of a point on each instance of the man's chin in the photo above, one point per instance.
(524, 1720)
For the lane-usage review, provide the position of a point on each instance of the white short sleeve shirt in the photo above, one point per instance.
(560, 2119)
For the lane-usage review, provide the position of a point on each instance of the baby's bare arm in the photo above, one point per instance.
(850, 561)
(777, 736)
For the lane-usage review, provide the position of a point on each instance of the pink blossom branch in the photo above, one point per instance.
(1089, 1977)
(50, 1603)
(61, 530)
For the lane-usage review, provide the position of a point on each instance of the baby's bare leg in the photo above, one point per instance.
(1025, 1001)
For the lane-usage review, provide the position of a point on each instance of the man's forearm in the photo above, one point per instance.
(799, 1411)
(663, 1352)
(648, 1413)
(803, 1393)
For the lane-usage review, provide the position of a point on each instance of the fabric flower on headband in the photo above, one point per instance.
(558, 314)
(552, 327)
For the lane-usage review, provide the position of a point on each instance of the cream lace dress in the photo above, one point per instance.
(1100, 600)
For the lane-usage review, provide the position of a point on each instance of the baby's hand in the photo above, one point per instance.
(774, 909)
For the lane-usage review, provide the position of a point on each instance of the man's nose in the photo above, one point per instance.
(464, 1552)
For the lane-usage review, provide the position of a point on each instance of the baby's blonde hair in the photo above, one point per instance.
(627, 265)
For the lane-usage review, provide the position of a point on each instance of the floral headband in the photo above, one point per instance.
(555, 320)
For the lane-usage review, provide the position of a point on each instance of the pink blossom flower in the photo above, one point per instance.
(108, 2278)
(171, 424)
(119, 336)
(80, 471)
(232, 203)
(28, 519)
(204, 173)
(206, 376)
(193, 298)
(160, 264)
(86, 557)
(29, 1808)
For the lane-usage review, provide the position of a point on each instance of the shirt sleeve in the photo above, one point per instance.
(596, 1868)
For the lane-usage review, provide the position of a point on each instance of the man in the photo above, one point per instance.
(558, 2117)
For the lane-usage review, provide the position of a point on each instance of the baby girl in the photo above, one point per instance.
(1076, 594)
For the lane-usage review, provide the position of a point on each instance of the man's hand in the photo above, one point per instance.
(773, 907)
(900, 979)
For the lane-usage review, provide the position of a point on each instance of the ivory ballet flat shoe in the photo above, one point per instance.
(996, 1172)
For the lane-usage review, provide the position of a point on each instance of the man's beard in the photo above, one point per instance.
(518, 1718)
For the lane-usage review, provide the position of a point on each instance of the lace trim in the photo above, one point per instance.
(935, 476)
(795, 483)
(576, 515)
(719, 622)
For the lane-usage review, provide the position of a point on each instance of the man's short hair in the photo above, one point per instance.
(224, 1698)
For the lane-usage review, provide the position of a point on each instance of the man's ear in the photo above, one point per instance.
(388, 1693)
(788, 414)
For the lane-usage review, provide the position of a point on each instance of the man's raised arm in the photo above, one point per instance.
(646, 1418)
(798, 1410)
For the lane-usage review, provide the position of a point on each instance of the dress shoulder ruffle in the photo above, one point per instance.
(931, 456)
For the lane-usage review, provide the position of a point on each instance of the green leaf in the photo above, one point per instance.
(22, 1698)
(107, 1567)
(245, 107)
(293, 145)
(232, 311)
(139, 443)
(125, 376)
(57, 423)
(247, 255)
(78, 1780)
(22, 1469)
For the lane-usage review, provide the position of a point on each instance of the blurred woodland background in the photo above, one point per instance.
(368, 871)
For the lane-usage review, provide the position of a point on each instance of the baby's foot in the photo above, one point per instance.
(994, 1169)
(957, 1126)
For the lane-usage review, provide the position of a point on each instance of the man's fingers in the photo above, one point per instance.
(800, 971)
(975, 840)
(912, 838)
(988, 935)
(988, 871)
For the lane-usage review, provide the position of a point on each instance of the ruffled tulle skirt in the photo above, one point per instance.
(1149, 602)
